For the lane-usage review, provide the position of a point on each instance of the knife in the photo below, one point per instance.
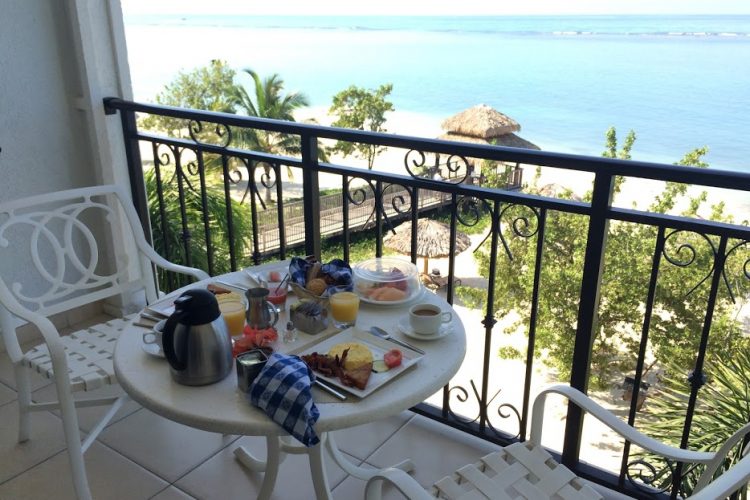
(330, 390)
(379, 332)
(231, 285)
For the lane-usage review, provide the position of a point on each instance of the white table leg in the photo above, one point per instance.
(355, 470)
(318, 470)
(270, 467)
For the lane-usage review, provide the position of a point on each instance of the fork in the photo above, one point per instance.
(379, 332)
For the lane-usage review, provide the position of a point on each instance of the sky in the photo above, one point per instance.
(435, 7)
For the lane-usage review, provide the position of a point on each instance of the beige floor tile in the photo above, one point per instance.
(47, 439)
(89, 417)
(6, 394)
(223, 477)
(362, 440)
(166, 448)
(437, 450)
(111, 476)
(172, 493)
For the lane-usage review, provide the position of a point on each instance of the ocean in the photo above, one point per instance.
(679, 82)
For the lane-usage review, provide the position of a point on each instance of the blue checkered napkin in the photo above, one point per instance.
(337, 269)
(283, 390)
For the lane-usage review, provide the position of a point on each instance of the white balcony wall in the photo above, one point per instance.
(58, 60)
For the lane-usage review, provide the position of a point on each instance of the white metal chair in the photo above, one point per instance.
(53, 250)
(526, 470)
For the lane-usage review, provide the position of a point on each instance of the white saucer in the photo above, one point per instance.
(152, 349)
(407, 330)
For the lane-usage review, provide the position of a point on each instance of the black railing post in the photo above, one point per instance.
(588, 309)
(311, 194)
(135, 169)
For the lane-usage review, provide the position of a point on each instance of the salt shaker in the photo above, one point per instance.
(290, 334)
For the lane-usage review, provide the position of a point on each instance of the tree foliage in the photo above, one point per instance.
(168, 238)
(361, 109)
(679, 310)
(267, 100)
(723, 407)
(209, 88)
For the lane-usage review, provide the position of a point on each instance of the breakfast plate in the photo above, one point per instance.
(407, 330)
(414, 295)
(377, 346)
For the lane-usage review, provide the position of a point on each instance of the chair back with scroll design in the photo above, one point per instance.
(60, 251)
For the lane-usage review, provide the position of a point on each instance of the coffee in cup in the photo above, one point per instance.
(426, 319)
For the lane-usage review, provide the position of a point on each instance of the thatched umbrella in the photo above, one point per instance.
(481, 121)
(484, 125)
(507, 140)
(433, 240)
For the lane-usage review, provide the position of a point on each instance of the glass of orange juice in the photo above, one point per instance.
(344, 309)
(232, 307)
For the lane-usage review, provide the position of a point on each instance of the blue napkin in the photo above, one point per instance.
(338, 269)
(283, 391)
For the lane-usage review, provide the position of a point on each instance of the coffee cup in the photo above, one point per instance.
(426, 319)
(155, 335)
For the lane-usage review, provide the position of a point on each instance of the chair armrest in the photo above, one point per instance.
(402, 481)
(726, 484)
(607, 418)
(160, 261)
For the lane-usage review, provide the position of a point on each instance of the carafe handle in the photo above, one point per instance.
(274, 313)
(178, 362)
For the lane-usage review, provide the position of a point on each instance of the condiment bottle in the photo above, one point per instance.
(290, 334)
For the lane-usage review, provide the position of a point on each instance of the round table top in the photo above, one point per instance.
(223, 408)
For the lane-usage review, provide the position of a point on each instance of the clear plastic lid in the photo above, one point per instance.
(385, 269)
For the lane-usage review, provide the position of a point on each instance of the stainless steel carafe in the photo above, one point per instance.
(196, 341)
(260, 313)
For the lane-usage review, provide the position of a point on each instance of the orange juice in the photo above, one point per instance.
(232, 309)
(344, 308)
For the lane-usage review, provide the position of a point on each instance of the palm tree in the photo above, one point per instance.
(268, 101)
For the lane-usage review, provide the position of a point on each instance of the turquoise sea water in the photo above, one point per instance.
(679, 82)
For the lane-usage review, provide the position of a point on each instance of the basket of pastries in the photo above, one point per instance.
(314, 280)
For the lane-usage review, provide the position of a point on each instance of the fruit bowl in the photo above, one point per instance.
(386, 281)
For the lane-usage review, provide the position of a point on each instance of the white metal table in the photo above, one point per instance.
(222, 408)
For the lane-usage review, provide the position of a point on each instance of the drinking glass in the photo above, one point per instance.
(232, 308)
(344, 309)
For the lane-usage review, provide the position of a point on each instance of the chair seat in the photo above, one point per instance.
(89, 353)
(518, 470)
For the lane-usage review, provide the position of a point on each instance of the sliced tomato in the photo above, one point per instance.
(392, 358)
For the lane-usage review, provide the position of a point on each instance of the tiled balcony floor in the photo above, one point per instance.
(141, 455)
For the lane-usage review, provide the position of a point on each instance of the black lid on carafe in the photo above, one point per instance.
(197, 307)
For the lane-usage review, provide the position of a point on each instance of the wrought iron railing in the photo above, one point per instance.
(212, 152)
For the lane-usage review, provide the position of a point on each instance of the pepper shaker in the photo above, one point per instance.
(290, 334)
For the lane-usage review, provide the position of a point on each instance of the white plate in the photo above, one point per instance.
(153, 349)
(407, 330)
(413, 296)
(257, 275)
(378, 347)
